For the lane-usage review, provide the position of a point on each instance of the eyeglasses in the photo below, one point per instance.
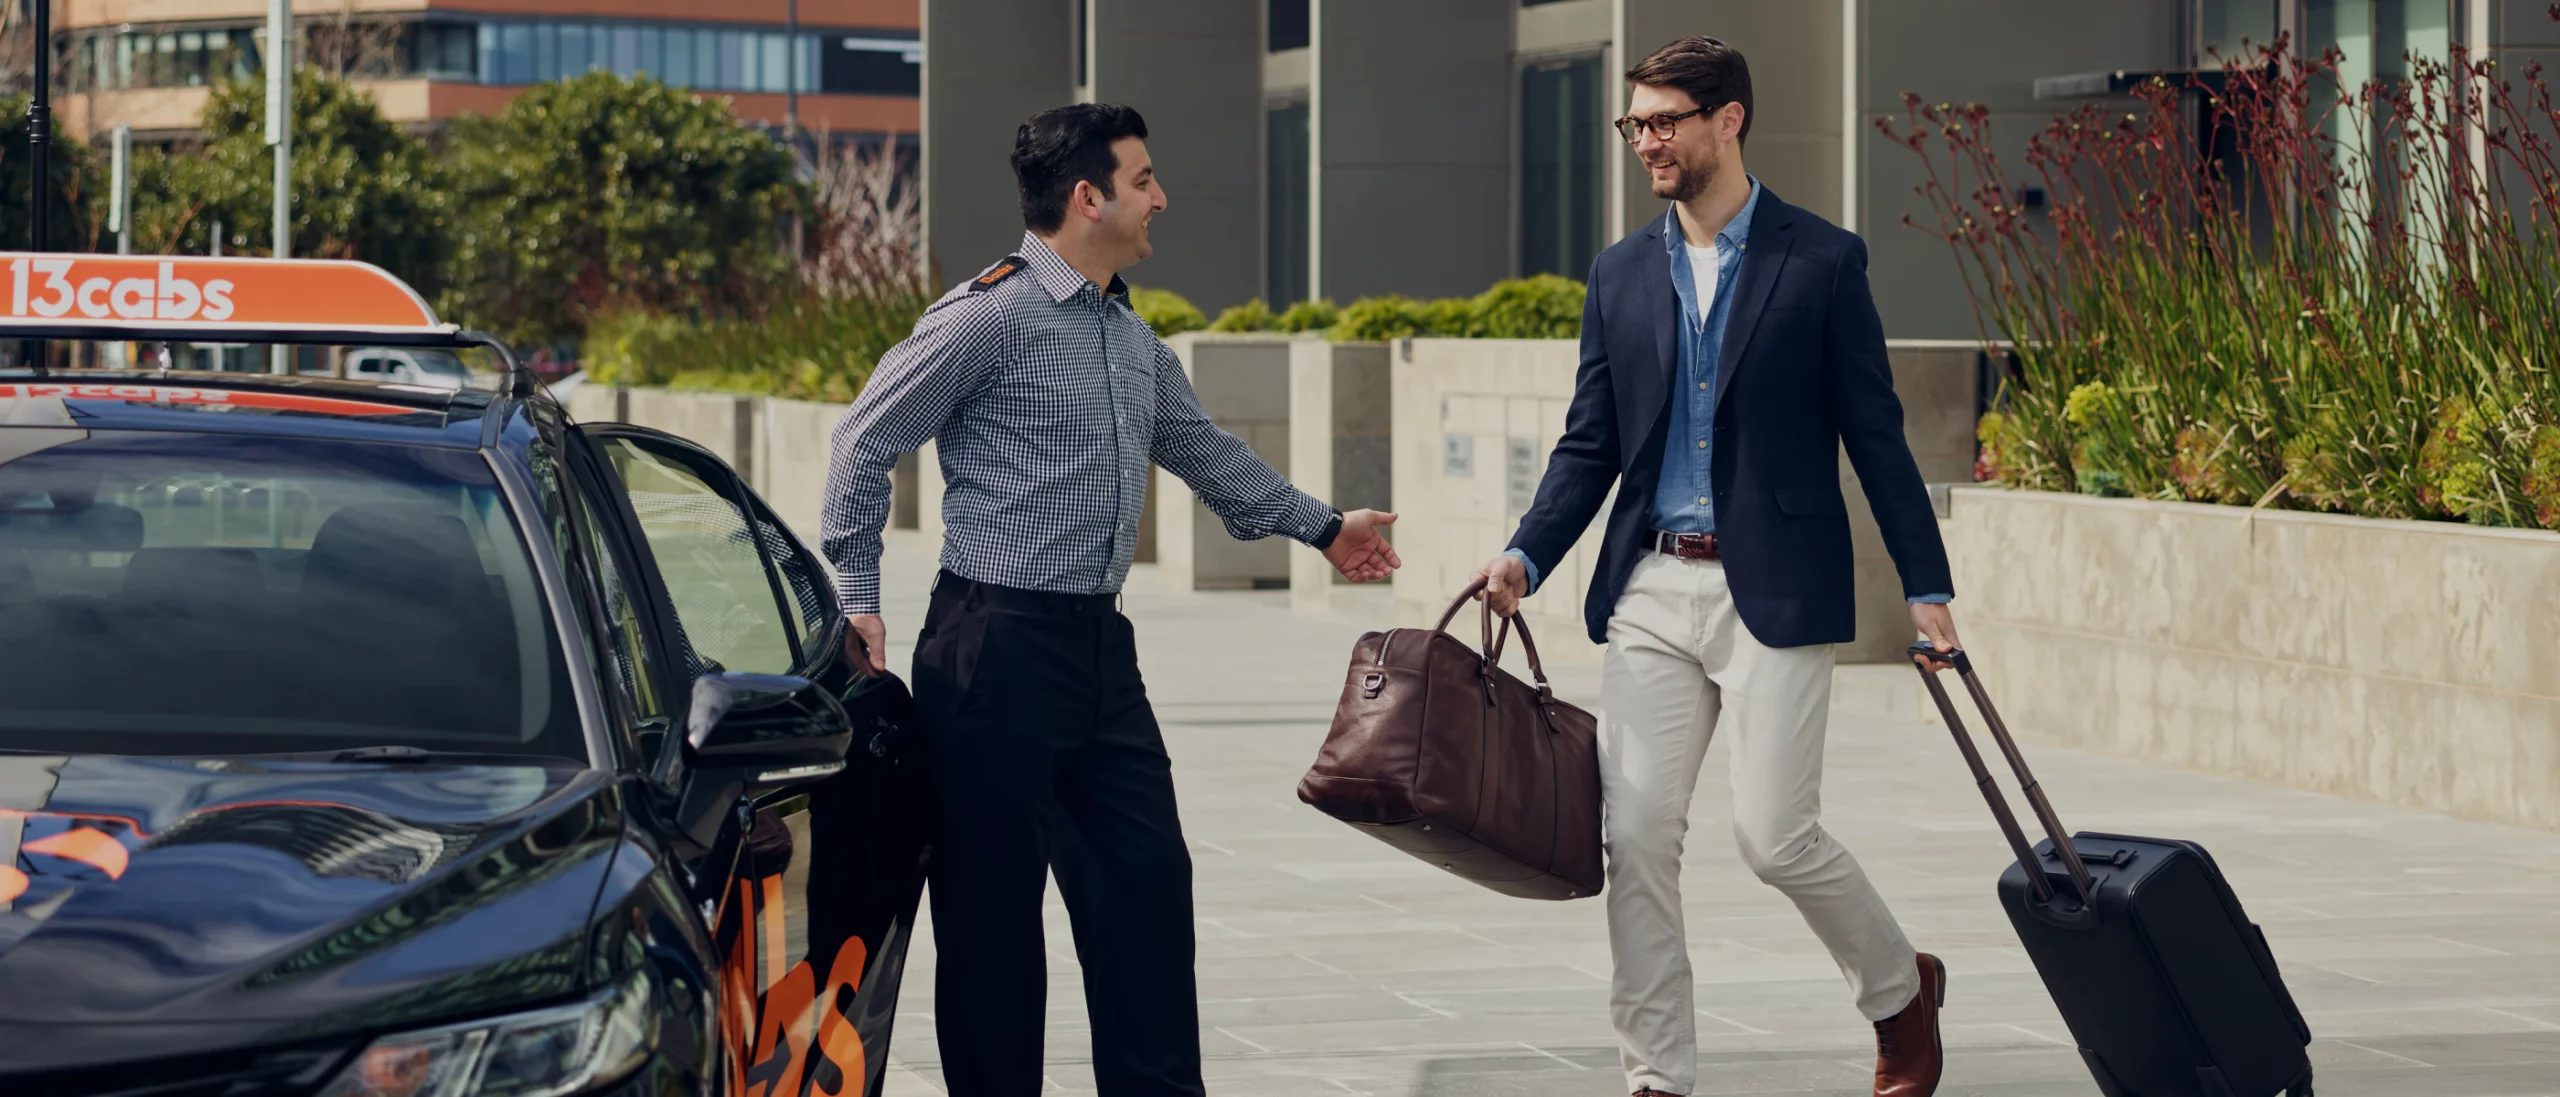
(1662, 125)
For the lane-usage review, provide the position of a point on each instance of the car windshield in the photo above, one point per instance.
(183, 593)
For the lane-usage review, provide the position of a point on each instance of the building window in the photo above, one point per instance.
(1289, 26)
(1286, 227)
(443, 51)
(505, 52)
(1561, 145)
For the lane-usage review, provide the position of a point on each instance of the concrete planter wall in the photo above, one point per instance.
(1243, 383)
(1340, 422)
(2411, 662)
(1476, 418)
(1316, 411)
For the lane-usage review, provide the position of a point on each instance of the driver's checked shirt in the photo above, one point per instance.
(1048, 400)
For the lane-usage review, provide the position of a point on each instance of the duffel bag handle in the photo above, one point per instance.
(1495, 640)
(1492, 642)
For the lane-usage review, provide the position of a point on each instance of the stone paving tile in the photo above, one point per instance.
(2425, 950)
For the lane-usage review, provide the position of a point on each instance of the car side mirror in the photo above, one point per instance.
(749, 734)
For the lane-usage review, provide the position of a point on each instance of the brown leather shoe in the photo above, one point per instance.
(1649, 1091)
(1909, 1059)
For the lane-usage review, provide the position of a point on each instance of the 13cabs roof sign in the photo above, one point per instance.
(160, 295)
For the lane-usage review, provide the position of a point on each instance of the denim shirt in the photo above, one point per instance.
(1682, 498)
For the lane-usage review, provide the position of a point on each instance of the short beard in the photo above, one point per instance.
(1692, 181)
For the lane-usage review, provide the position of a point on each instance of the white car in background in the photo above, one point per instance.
(434, 368)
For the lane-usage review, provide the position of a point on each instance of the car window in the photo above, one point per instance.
(810, 594)
(708, 557)
(635, 672)
(176, 592)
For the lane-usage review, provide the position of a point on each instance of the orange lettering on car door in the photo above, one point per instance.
(89, 847)
(838, 1040)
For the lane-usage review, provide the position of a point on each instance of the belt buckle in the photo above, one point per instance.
(1691, 546)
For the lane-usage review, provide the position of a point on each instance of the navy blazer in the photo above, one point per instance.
(1802, 373)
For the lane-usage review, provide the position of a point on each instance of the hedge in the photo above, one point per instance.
(1542, 307)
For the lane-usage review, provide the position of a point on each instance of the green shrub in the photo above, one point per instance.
(1252, 315)
(1316, 315)
(1544, 307)
(1166, 311)
(1451, 318)
(1378, 319)
(809, 349)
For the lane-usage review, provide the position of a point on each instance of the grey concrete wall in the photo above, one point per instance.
(791, 461)
(1937, 386)
(1402, 207)
(1794, 50)
(1243, 383)
(988, 65)
(783, 443)
(1340, 419)
(2415, 663)
(1987, 51)
(1194, 69)
(1475, 420)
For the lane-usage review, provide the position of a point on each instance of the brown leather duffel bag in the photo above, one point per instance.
(1440, 753)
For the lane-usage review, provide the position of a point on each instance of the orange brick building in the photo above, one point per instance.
(150, 64)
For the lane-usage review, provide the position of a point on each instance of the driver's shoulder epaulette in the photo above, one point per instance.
(995, 275)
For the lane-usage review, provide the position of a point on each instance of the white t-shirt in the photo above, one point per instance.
(1703, 269)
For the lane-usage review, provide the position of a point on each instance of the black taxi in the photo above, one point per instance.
(365, 739)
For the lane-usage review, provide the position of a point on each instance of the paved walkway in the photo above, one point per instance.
(2425, 950)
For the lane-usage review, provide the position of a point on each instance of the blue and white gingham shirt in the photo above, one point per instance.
(1048, 399)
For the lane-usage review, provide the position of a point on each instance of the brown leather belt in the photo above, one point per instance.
(1687, 546)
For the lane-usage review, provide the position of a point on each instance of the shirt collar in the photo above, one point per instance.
(1734, 234)
(1056, 276)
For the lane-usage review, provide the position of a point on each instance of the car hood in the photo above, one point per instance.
(222, 897)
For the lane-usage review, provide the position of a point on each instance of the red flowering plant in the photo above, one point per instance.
(2263, 286)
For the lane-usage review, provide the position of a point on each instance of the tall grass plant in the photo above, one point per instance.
(2265, 287)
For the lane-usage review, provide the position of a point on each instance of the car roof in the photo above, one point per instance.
(249, 403)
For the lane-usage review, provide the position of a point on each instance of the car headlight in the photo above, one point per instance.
(544, 1053)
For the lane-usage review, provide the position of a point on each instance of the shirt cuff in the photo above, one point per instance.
(858, 593)
(1307, 520)
(1932, 599)
(1527, 563)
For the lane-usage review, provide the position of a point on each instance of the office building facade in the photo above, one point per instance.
(856, 65)
(1340, 148)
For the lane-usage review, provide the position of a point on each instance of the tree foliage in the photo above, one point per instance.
(17, 177)
(600, 194)
(362, 187)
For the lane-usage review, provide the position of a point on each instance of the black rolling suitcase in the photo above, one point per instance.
(2168, 988)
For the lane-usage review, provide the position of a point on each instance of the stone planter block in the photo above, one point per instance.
(2415, 663)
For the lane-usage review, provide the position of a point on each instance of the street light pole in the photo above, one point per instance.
(280, 136)
(40, 148)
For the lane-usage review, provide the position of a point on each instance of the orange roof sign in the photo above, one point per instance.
(159, 295)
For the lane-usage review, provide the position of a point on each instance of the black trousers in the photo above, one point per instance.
(1045, 756)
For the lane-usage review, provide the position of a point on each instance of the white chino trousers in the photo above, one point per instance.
(1678, 658)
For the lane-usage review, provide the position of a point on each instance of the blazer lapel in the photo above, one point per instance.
(1660, 308)
(1758, 277)
(1662, 302)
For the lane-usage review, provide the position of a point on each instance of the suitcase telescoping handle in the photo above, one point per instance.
(1930, 660)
